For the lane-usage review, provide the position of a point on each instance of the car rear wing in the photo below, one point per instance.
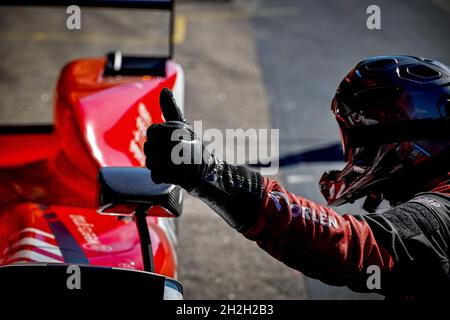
(167, 5)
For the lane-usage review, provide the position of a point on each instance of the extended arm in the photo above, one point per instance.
(302, 234)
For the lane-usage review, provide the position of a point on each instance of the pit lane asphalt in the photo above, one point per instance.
(303, 58)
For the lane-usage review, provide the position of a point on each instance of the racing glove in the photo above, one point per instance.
(175, 155)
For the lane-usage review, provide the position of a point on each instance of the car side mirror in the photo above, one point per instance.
(131, 191)
(124, 190)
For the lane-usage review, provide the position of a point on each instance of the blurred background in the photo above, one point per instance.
(248, 64)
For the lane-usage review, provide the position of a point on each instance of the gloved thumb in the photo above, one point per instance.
(169, 108)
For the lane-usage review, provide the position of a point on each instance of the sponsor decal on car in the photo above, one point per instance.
(143, 121)
(87, 231)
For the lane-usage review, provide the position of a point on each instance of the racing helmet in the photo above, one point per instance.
(394, 118)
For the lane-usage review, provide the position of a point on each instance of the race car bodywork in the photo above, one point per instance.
(48, 185)
(53, 170)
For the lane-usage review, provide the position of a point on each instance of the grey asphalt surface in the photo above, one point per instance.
(248, 64)
(303, 59)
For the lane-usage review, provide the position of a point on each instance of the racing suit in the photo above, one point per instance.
(409, 243)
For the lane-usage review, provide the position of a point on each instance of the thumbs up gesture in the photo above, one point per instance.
(173, 153)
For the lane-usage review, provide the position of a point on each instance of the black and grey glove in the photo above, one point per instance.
(176, 156)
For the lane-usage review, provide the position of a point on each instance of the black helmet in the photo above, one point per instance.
(394, 117)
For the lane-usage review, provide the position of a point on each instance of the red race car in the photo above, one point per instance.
(54, 178)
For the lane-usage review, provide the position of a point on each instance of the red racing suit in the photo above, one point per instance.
(409, 243)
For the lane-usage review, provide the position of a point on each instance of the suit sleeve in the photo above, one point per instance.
(316, 240)
(406, 242)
